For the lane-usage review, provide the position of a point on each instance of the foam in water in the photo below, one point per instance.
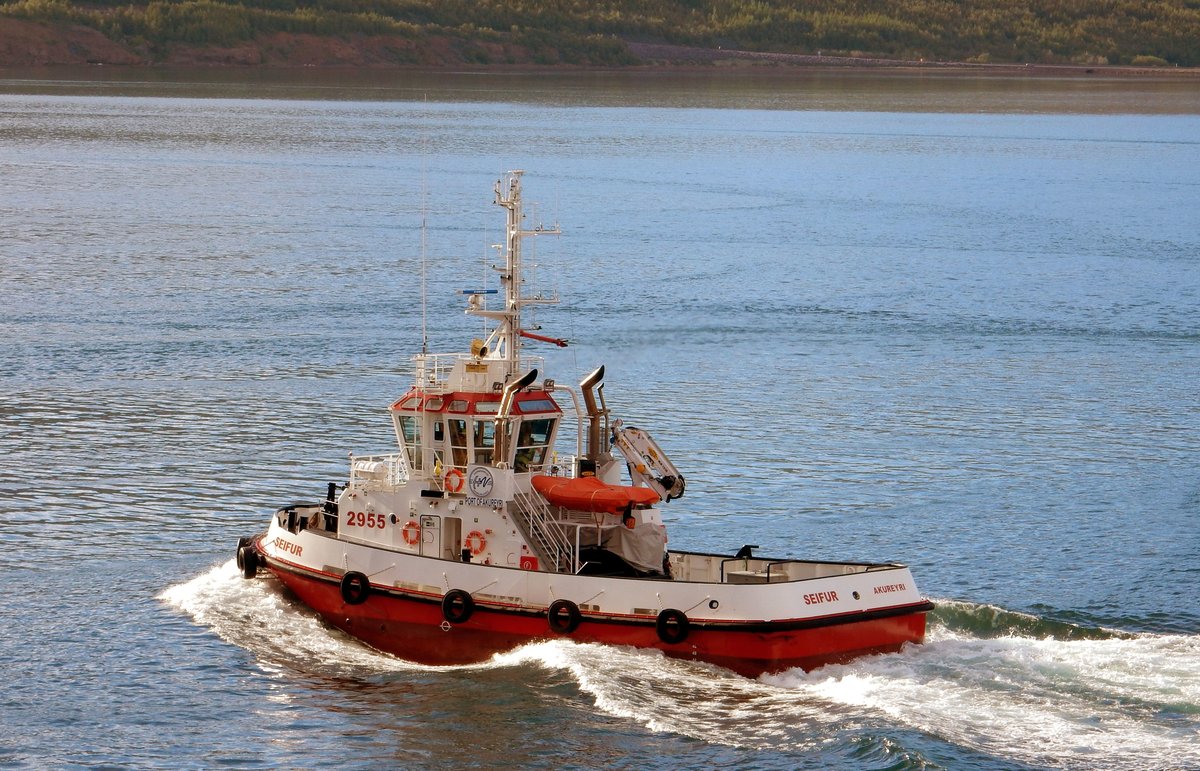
(663, 694)
(695, 700)
(1104, 700)
(1101, 702)
(252, 615)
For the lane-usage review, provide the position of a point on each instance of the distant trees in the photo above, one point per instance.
(590, 31)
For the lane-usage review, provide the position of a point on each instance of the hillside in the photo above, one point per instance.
(596, 32)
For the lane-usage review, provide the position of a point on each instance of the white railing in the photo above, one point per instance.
(390, 469)
(432, 370)
(560, 466)
(544, 531)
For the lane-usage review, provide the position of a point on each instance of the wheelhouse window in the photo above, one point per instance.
(537, 405)
(533, 440)
(458, 441)
(410, 402)
(410, 429)
(485, 440)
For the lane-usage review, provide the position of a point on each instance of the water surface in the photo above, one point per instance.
(920, 320)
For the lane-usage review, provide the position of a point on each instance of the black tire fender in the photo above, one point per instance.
(457, 606)
(247, 560)
(672, 626)
(356, 587)
(564, 616)
(242, 542)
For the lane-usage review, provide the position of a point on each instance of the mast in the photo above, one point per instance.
(504, 343)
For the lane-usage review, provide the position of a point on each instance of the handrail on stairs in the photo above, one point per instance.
(543, 532)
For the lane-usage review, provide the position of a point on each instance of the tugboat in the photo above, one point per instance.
(477, 536)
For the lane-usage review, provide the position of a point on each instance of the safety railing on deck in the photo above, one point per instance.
(748, 570)
(431, 370)
(560, 466)
(549, 538)
(389, 469)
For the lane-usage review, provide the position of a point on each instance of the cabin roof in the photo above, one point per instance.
(473, 403)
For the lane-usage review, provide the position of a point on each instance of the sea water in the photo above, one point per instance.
(951, 323)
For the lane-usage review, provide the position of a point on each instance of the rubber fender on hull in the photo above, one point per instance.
(564, 616)
(672, 626)
(457, 606)
(247, 557)
(356, 587)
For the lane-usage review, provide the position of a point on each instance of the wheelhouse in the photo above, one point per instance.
(458, 429)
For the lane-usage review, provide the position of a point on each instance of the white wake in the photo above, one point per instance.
(1131, 701)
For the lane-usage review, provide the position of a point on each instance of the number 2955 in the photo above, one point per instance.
(366, 519)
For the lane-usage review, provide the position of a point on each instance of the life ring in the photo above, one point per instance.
(454, 481)
(411, 532)
(457, 606)
(563, 616)
(356, 587)
(672, 626)
(475, 542)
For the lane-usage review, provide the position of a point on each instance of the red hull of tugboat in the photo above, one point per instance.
(416, 630)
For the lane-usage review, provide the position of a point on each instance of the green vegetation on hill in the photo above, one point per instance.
(592, 31)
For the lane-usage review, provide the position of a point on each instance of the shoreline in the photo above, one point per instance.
(735, 60)
(949, 70)
(813, 88)
(30, 45)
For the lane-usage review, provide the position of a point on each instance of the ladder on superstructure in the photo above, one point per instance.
(552, 544)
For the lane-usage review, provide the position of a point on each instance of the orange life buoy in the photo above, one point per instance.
(475, 542)
(411, 532)
(454, 481)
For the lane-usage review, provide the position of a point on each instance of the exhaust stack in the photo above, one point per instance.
(593, 413)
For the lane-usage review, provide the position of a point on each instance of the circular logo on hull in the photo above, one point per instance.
(481, 482)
